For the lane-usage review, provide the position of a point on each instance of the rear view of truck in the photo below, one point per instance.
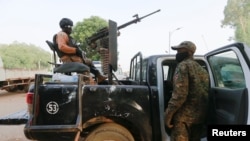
(56, 110)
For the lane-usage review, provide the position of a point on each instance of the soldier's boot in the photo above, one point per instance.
(99, 77)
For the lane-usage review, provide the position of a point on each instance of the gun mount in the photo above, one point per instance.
(105, 41)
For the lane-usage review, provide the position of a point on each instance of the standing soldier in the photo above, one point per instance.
(186, 111)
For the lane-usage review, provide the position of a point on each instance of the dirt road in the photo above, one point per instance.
(11, 103)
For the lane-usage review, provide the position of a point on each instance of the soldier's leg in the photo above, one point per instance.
(94, 70)
(179, 132)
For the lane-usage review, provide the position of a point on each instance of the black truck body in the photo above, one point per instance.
(138, 104)
(77, 107)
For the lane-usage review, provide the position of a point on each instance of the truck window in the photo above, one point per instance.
(227, 70)
(144, 71)
(165, 72)
(139, 73)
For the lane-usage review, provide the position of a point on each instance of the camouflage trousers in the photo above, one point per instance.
(186, 132)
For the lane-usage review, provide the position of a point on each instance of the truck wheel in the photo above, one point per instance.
(110, 131)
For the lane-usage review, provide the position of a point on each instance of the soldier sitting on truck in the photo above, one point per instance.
(68, 51)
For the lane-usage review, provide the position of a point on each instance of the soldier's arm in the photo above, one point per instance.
(180, 90)
(62, 41)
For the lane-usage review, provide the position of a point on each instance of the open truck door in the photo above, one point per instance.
(229, 95)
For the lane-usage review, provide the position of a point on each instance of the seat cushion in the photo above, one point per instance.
(72, 67)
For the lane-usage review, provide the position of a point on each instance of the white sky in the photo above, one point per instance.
(33, 22)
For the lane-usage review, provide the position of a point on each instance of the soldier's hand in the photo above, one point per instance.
(169, 123)
(168, 120)
(79, 52)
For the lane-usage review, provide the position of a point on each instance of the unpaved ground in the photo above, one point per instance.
(10, 103)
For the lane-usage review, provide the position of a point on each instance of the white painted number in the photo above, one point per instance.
(52, 107)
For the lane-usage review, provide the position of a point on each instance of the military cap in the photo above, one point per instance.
(185, 44)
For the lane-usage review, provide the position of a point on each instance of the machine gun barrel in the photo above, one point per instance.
(137, 19)
(104, 32)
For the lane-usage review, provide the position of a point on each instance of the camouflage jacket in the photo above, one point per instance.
(190, 92)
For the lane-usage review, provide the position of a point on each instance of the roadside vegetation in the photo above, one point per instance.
(28, 56)
(237, 17)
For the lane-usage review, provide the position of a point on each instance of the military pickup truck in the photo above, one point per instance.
(133, 109)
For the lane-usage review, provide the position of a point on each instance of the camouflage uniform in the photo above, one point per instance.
(188, 104)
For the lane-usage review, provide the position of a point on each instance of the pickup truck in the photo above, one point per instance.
(133, 109)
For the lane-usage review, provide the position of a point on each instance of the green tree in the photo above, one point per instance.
(23, 56)
(85, 29)
(236, 16)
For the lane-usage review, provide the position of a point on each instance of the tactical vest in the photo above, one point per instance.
(60, 54)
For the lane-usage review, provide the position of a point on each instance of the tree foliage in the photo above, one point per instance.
(236, 16)
(85, 29)
(23, 56)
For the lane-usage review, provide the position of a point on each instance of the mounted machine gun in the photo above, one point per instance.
(105, 40)
(104, 31)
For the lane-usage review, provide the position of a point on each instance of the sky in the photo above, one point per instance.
(199, 21)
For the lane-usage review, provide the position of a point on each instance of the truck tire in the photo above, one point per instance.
(110, 131)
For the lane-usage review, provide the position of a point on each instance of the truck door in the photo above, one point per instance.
(229, 69)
